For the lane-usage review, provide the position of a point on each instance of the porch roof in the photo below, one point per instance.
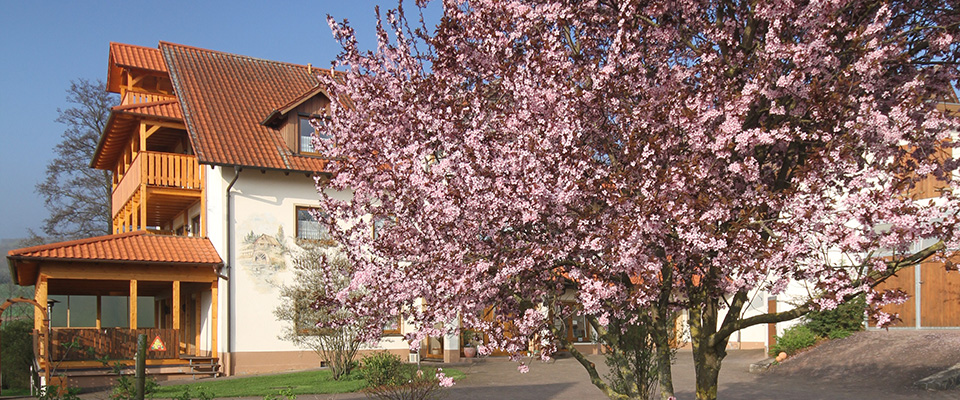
(134, 247)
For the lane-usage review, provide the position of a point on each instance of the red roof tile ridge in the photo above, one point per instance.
(162, 43)
(95, 239)
(132, 45)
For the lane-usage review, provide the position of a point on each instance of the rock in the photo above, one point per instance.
(943, 380)
(761, 365)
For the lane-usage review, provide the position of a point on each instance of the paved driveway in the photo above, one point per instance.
(870, 365)
(498, 379)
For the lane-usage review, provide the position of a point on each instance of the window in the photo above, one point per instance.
(393, 327)
(380, 223)
(195, 226)
(576, 327)
(578, 330)
(307, 131)
(308, 228)
(81, 311)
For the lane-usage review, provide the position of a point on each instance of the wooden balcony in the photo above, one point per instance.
(155, 188)
(140, 98)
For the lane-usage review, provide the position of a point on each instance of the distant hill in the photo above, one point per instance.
(7, 288)
(5, 246)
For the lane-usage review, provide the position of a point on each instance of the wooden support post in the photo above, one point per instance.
(213, 318)
(133, 304)
(176, 311)
(40, 295)
(99, 312)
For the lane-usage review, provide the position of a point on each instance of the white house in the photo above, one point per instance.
(213, 179)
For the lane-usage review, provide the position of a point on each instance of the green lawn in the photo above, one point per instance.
(16, 392)
(305, 382)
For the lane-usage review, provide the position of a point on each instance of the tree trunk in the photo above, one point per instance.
(707, 363)
(663, 330)
(708, 350)
(664, 359)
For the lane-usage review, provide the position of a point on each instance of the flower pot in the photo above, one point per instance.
(470, 352)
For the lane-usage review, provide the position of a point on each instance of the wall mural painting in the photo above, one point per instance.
(264, 256)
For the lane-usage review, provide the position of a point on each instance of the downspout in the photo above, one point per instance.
(230, 362)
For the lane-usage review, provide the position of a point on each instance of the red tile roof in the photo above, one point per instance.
(139, 246)
(128, 55)
(168, 109)
(123, 120)
(225, 96)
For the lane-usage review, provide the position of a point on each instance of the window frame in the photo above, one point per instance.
(301, 117)
(324, 232)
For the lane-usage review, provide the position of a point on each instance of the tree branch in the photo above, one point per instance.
(893, 267)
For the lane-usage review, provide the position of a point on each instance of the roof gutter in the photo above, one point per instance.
(227, 264)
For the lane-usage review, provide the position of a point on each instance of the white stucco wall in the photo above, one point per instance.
(264, 203)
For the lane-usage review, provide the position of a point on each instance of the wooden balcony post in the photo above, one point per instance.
(99, 312)
(133, 304)
(143, 136)
(143, 180)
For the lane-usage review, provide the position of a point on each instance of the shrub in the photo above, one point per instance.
(839, 322)
(17, 354)
(838, 334)
(418, 386)
(314, 318)
(794, 339)
(382, 368)
(388, 378)
(186, 395)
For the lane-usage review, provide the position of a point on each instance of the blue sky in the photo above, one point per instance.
(46, 44)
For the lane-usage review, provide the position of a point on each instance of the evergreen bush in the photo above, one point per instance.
(839, 322)
(794, 339)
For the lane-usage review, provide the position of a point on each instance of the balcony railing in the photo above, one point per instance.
(157, 169)
(140, 98)
(89, 344)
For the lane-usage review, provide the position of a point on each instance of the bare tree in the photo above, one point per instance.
(77, 196)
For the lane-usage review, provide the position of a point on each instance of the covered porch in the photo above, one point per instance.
(103, 292)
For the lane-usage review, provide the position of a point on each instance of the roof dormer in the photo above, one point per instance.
(293, 119)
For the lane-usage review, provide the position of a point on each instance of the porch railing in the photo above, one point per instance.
(89, 344)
